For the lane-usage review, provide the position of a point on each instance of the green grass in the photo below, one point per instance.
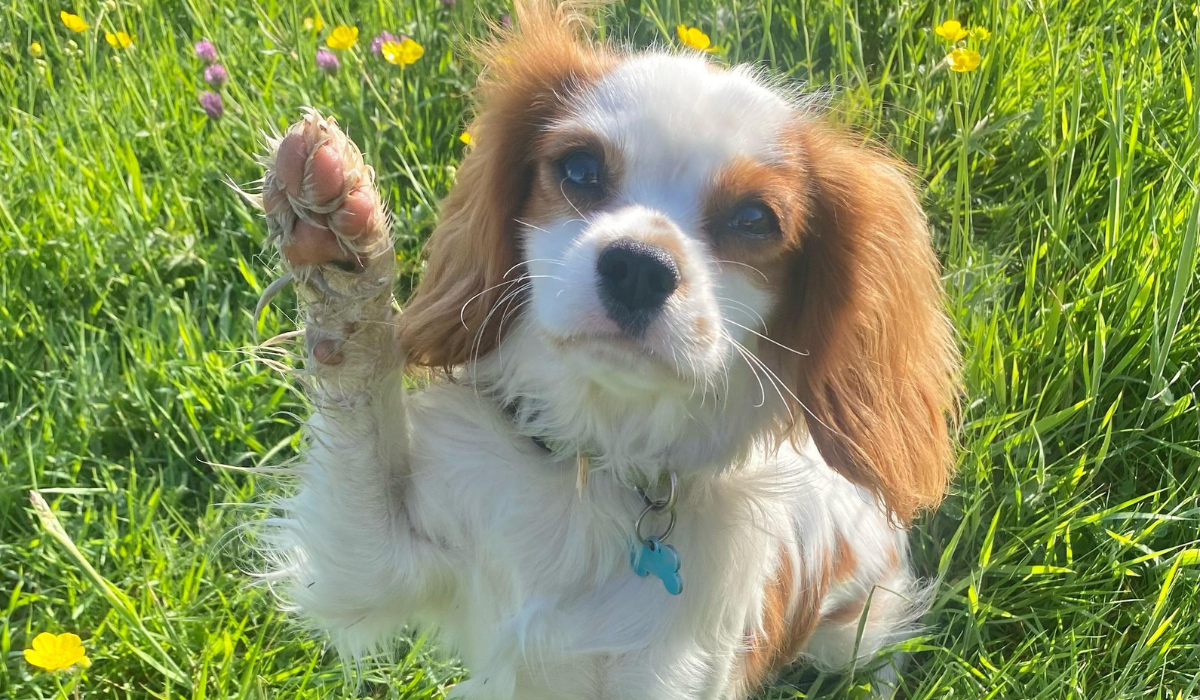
(1061, 184)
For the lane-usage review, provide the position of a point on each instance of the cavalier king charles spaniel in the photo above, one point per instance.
(683, 378)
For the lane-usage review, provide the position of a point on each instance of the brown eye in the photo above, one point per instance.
(753, 220)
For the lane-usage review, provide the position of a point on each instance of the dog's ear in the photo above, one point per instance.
(878, 377)
(529, 73)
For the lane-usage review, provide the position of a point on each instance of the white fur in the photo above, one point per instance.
(435, 508)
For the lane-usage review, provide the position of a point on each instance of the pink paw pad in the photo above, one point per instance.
(319, 175)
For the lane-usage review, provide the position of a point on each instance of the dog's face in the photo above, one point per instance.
(660, 212)
(695, 254)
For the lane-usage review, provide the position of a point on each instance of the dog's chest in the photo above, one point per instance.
(546, 571)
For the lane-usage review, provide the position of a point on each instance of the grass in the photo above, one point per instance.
(1061, 184)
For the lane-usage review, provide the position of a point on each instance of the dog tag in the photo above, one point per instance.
(654, 557)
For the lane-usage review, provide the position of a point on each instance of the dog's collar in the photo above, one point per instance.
(584, 457)
(650, 554)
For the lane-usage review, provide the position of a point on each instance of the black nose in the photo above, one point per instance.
(635, 280)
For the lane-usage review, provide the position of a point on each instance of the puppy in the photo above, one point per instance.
(685, 380)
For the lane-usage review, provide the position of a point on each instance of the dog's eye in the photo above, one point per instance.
(581, 169)
(754, 219)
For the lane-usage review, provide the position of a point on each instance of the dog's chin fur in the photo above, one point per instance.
(800, 383)
(629, 410)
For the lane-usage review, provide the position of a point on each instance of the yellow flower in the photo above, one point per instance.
(951, 30)
(35, 49)
(980, 33)
(314, 24)
(693, 38)
(964, 60)
(120, 40)
(465, 138)
(56, 653)
(74, 22)
(401, 53)
(342, 37)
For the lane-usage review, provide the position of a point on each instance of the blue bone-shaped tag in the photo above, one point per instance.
(654, 557)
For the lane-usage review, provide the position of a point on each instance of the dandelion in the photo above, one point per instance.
(693, 38)
(342, 37)
(963, 60)
(402, 53)
(216, 76)
(465, 138)
(57, 652)
(980, 33)
(212, 104)
(327, 61)
(35, 49)
(205, 51)
(73, 22)
(120, 40)
(314, 24)
(951, 30)
(380, 39)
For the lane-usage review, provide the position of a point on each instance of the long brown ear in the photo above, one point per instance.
(528, 74)
(879, 380)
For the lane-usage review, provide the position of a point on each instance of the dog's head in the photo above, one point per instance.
(674, 260)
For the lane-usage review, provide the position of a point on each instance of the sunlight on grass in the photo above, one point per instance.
(1061, 169)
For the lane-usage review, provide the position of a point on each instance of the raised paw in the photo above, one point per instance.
(320, 199)
(328, 221)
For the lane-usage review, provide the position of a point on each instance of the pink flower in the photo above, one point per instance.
(213, 106)
(205, 51)
(327, 61)
(216, 76)
(380, 39)
(506, 21)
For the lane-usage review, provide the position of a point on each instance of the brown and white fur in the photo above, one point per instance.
(798, 375)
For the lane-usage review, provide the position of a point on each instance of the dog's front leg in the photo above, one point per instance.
(357, 561)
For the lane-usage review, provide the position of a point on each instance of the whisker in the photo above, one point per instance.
(525, 262)
(762, 389)
(769, 340)
(744, 308)
(564, 194)
(735, 262)
(771, 377)
(463, 311)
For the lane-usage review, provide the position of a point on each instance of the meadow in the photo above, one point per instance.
(1060, 177)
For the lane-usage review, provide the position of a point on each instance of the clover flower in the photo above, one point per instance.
(216, 76)
(327, 61)
(205, 51)
(212, 104)
(380, 39)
